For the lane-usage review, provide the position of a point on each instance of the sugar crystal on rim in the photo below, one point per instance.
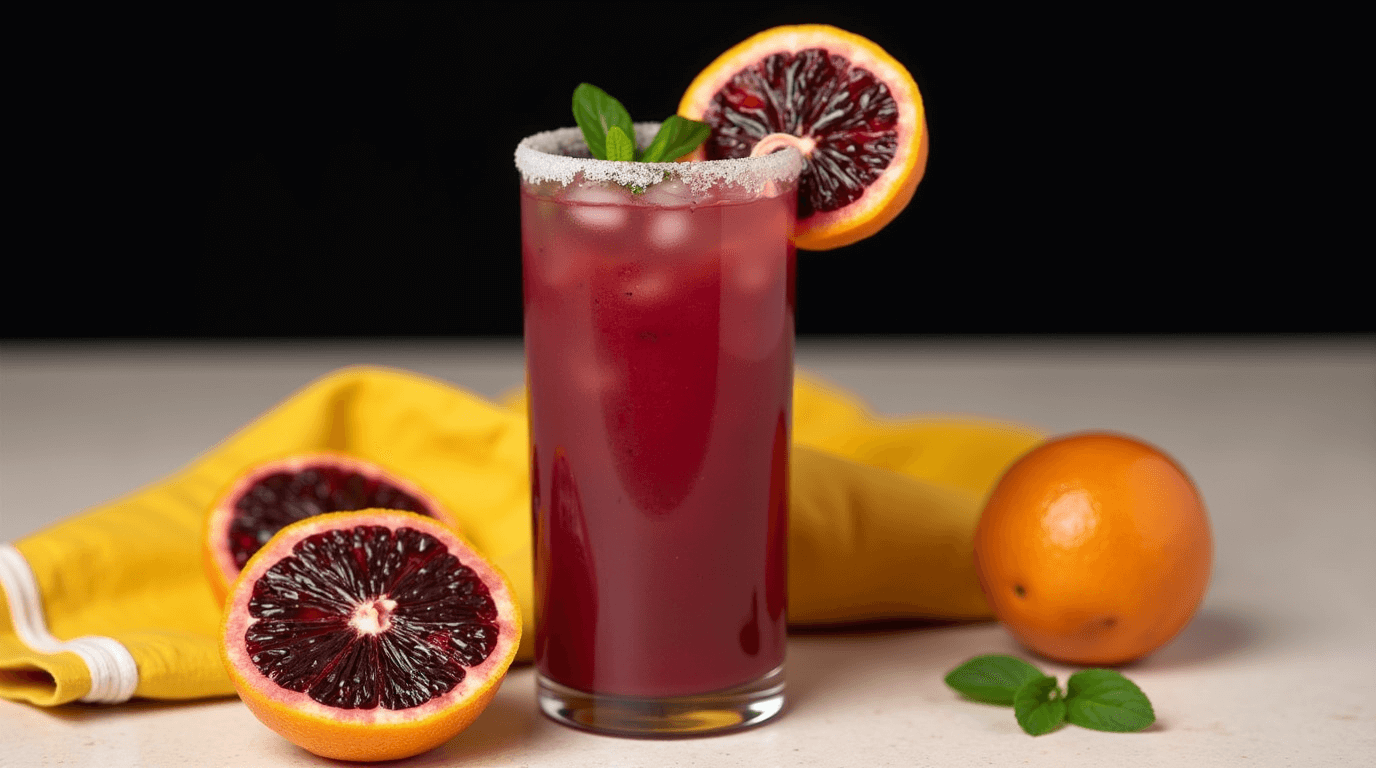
(561, 156)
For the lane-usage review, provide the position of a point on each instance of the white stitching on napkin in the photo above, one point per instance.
(114, 675)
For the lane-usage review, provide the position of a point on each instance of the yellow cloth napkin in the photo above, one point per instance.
(114, 603)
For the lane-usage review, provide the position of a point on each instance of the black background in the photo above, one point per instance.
(346, 169)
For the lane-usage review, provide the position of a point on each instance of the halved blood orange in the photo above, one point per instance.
(852, 109)
(368, 635)
(273, 494)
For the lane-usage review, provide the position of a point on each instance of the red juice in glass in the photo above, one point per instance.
(659, 362)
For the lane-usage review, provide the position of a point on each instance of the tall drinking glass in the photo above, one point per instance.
(659, 330)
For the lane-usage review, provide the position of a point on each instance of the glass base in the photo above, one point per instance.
(705, 714)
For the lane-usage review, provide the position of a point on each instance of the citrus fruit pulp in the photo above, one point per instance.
(1093, 549)
(272, 494)
(853, 111)
(368, 635)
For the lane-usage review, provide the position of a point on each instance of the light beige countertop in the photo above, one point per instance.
(1278, 667)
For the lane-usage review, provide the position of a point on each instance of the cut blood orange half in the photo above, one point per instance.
(852, 110)
(369, 635)
(273, 494)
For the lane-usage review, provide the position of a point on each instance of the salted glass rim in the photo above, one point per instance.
(544, 157)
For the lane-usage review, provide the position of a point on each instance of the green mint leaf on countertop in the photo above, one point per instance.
(1104, 700)
(619, 145)
(1101, 699)
(1039, 706)
(608, 131)
(596, 112)
(993, 678)
(677, 137)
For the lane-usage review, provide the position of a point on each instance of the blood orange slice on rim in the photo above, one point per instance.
(369, 635)
(852, 109)
(273, 494)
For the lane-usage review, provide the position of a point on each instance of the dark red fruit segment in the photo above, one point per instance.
(850, 115)
(362, 618)
(282, 498)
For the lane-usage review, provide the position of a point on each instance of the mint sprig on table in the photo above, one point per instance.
(610, 135)
(1100, 699)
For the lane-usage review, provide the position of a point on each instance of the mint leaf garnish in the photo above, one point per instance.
(993, 679)
(601, 117)
(1038, 705)
(677, 137)
(619, 145)
(596, 112)
(1104, 700)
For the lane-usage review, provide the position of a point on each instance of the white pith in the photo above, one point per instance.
(776, 141)
(373, 617)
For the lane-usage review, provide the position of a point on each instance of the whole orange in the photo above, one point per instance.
(1094, 549)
